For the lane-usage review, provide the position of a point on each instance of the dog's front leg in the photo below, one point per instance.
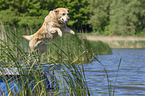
(66, 29)
(58, 30)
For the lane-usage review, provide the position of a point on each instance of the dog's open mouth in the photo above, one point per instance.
(67, 21)
(64, 21)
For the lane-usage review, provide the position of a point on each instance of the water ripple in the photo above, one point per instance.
(131, 76)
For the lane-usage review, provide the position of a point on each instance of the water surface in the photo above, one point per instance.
(131, 76)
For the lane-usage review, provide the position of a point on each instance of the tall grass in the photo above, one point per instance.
(72, 45)
(63, 52)
(29, 75)
(101, 48)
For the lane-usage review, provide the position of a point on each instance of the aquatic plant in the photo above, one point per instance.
(23, 73)
(111, 88)
(101, 48)
(64, 53)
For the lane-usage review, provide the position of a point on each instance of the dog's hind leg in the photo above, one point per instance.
(34, 44)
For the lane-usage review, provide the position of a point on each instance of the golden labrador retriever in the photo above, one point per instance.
(54, 24)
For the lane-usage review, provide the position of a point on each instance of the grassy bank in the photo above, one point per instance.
(69, 80)
(101, 48)
(78, 48)
(65, 51)
(118, 41)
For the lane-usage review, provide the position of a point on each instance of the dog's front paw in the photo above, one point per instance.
(72, 32)
(60, 33)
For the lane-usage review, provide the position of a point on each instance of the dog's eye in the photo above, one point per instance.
(63, 14)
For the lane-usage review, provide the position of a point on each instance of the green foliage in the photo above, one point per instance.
(32, 12)
(125, 18)
(101, 48)
(100, 14)
(106, 17)
(9, 17)
(118, 17)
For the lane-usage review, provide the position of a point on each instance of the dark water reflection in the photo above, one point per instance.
(131, 76)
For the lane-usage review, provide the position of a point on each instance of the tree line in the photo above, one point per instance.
(105, 17)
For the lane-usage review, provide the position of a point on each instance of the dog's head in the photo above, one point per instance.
(62, 15)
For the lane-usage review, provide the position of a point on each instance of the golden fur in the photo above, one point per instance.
(53, 26)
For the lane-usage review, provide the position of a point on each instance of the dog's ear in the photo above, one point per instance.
(56, 11)
(67, 9)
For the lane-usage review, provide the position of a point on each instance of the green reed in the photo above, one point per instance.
(111, 89)
(64, 51)
(101, 48)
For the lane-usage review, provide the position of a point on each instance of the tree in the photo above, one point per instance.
(100, 10)
(118, 17)
(32, 12)
(124, 17)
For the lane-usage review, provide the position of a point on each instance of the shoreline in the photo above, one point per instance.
(119, 41)
(116, 38)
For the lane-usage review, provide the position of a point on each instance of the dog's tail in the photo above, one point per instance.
(28, 37)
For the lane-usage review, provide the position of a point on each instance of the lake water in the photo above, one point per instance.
(131, 75)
